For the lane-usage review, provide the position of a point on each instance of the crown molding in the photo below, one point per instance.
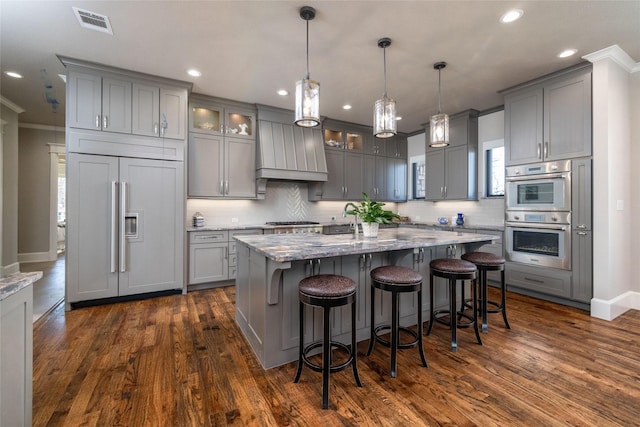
(616, 54)
(4, 101)
(41, 127)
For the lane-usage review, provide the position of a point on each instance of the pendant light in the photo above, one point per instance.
(307, 112)
(440, 122)
(384, 110)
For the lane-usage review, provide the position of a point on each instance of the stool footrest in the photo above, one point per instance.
(387, 343)
(438, 316)
(334, 345)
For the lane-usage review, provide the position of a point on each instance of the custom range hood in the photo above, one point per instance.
(286, 151)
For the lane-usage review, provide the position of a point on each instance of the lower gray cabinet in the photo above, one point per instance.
(582, 262)
(213, 255)
(548, 281)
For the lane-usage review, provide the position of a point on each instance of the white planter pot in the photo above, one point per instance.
(370, 229)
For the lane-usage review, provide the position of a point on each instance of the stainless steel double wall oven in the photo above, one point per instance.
(538, 214)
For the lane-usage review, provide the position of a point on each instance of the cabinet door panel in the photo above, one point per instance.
(333, 188)
(457, 172)
(154, 254)
(523, 127)
(206, 170)
(581, 194)
(173, 114)
(434, 175)
(567, 118)
(208, 263)
(116, 105)
(84, 101)
(240, 163)
(400, 179)
(354, 175)
(582, 261)
(91, 227)
(145, 110)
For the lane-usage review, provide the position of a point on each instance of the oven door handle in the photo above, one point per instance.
(537, 177)
(536, 226)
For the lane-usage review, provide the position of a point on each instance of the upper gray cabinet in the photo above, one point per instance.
(450, 172)
(124, 104)
(221, 149)
(549, 118)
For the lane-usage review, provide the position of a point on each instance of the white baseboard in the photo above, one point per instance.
(35, 257)
(610, 309)
(10, 269)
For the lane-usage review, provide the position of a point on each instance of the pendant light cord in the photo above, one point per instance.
(307, 76)
(439, 107)
(384, 56)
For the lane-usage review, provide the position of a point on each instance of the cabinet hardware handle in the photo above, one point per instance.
(581, 226)
(534, 280)
(539, 147)
(581, 233)
(221, 187)
(546, 149)
(370, 258)
(445, 192)
(114, 227)
(226, 253)
(155, 128)
(441, 191)
(98, 121)
(226, 187)
(105, 122)
(123, 240)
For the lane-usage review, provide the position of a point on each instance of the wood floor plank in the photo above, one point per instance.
(181, 360)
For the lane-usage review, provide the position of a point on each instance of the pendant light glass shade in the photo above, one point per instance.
(307, 100)
(384, 110)
(439, 128)
(307, 103)
(439, 124)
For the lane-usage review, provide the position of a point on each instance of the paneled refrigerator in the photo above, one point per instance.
(125, 226)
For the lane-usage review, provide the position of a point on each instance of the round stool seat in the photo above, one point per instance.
(453, 268)
(396, 275)
(484, 259)
(327, 286)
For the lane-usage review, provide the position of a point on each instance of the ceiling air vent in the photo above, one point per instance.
(93, 21)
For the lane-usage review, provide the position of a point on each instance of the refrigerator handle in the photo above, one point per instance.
(114, 227)
(123, 240)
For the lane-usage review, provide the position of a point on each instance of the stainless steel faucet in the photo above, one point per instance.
(355, 218)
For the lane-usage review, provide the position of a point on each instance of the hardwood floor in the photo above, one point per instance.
(182, 361)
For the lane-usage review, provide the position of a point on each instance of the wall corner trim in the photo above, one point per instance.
(610, 309)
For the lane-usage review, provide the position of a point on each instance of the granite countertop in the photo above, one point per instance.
(292, 247)
(219, 227)
(16, 282)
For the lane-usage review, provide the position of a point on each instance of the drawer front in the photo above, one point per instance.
(544, 280)
(233, 243)
(233, 259)
(198, 237)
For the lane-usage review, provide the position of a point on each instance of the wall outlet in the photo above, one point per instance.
(234, 219)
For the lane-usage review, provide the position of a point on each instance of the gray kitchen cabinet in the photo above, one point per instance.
(208, 256)
(221, 150)
(221, 167)
(213, 255)
(581, 194)
(99, 103)
(159, 111)
(549, 281)
(450, 172)
(375, 146)
(396, 186)
(124, 236)
(396, 146)
(375, 177)
(582, 262)
(549, 118)
(345, 177)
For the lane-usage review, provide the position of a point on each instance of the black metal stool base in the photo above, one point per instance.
(377, 332)
(335, 345)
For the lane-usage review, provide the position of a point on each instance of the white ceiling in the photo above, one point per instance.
(247, 50)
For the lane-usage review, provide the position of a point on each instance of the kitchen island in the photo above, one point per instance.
(270, 267)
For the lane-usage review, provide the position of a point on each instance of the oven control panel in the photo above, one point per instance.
(539, 217)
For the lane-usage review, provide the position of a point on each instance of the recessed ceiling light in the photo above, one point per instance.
(567, 53)
(283, 92)
(512, 15)
(398, 118)
(194, 73)
(346, 107)
(13, 74)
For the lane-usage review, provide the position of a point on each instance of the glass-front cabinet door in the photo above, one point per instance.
(333, 138)
(207, 119)
(240, 124)
(353, 141)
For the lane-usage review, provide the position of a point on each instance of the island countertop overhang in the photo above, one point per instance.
(295, 247)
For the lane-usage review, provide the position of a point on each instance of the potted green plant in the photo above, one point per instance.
(371, 215)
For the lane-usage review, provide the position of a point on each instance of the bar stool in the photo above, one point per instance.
(396, 279)
(327, 291)
(486, 261)
(453, 270)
